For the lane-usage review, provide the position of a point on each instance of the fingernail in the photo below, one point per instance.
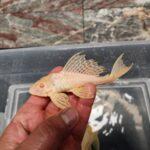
(70, 117)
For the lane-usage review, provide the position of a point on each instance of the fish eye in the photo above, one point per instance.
(41, 85)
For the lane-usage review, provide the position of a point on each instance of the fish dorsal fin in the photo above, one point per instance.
(79, 64)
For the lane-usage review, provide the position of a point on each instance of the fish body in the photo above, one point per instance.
(76, 73)
(64, 81)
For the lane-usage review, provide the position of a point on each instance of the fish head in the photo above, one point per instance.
(41, 87)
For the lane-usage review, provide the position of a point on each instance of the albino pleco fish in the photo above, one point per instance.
(76, 73)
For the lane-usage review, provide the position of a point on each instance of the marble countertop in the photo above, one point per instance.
(26, 23)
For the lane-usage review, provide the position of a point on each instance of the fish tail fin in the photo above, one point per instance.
(119, 68)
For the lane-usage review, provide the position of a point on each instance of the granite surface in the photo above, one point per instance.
(41, 28)
(117, 24)
(8, 6)
(25, 23)
(98, 4)
(40, 22)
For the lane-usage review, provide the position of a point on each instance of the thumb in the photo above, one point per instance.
(51, 133)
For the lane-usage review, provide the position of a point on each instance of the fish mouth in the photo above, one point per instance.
(32, 91)
(37, 92)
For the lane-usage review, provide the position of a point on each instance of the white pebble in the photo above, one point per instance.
(122, 130)
(120, 119)
(128, 97)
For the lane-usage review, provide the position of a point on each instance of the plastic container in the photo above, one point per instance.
(121, 112)
(2, 122)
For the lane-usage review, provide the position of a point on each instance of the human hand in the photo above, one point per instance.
(40, 125)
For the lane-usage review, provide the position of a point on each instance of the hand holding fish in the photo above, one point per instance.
(41, 125)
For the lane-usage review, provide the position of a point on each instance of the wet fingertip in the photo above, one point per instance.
(86, 102)
(56, 69)
(52, 107)
(92, 88)
(73, 100)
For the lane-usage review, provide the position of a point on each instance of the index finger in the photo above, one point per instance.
(56, 69)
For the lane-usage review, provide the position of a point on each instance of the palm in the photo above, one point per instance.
(37, 109)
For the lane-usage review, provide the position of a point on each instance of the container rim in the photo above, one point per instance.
(76, 46)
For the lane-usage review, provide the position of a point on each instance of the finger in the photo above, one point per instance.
(51, 109)
(13, 135)
(31, 113)
(56, 69)
(39, 102)
(51, 133)
(84, 107)
(73, 100)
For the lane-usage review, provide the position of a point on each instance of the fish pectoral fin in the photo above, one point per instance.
(61, 100)
(82, 92)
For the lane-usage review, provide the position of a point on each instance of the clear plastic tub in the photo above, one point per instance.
(2, 122)
(121, 111)
(121, 108)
